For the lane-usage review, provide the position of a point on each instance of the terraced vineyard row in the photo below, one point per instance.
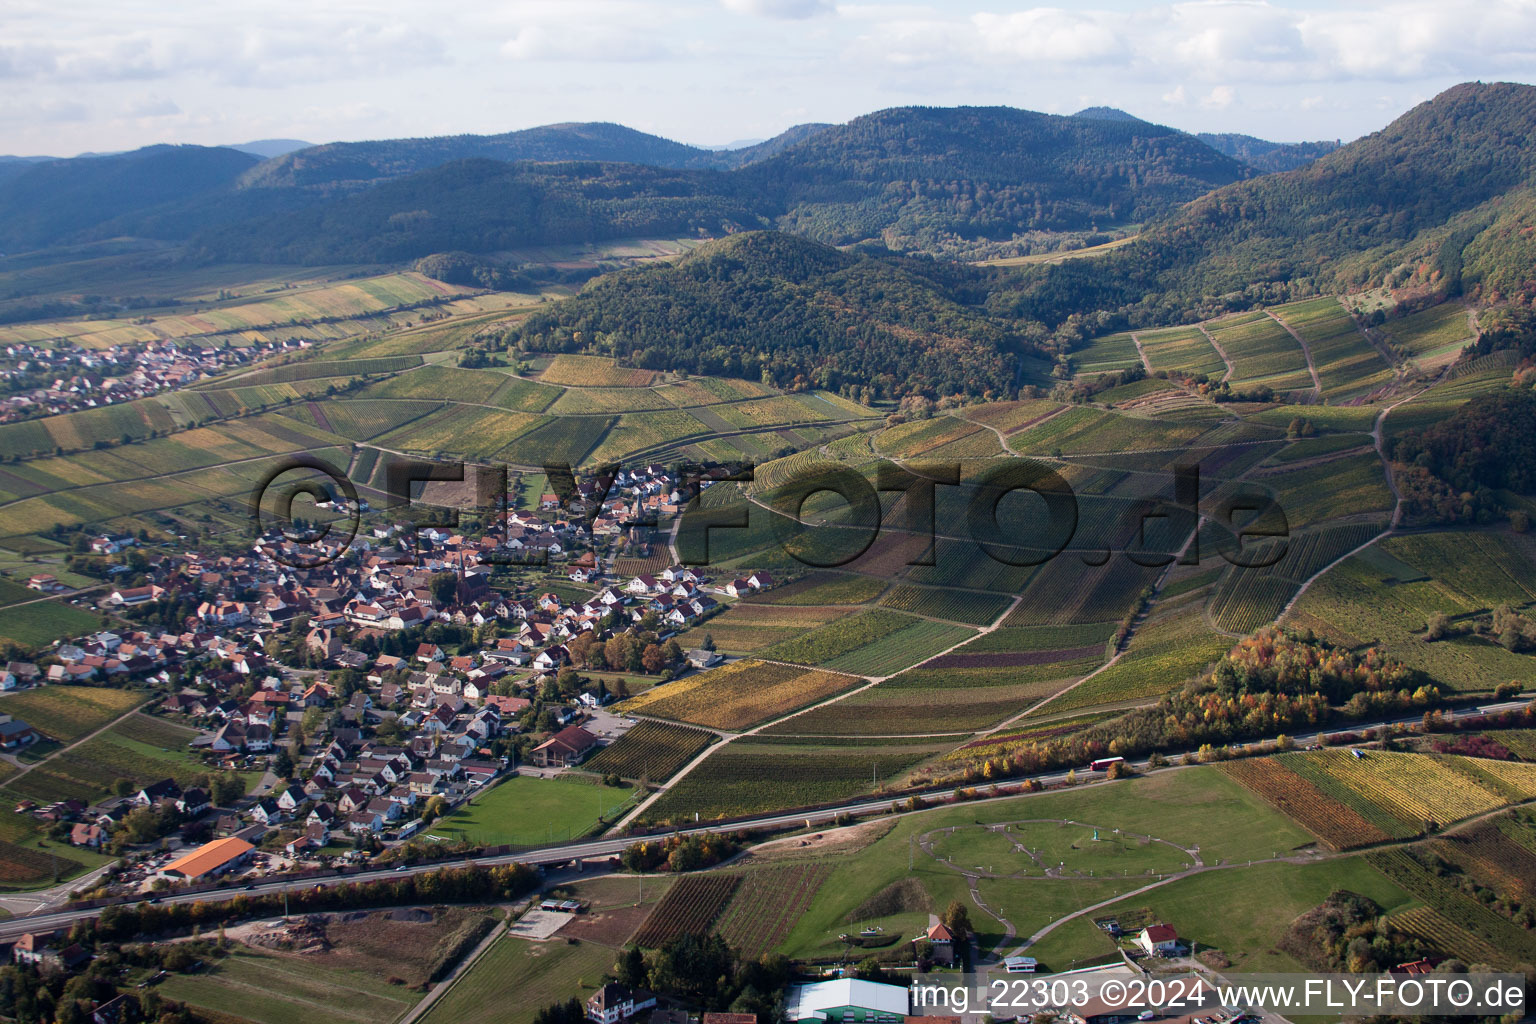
(688, 908)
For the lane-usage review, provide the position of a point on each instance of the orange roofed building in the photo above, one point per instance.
(210, 860)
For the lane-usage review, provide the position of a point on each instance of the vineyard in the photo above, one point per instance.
(747, 627)
(1462, 923)
(23, 866)
(688, 908)
(928, 700)
(823, 588)
(594, 371)
(955, 605)
(1348, 366)
(826, 643)
(1246, 599)
(762, 773)
(1263, 352)
(1403, 793)
(1106, 355)
(1339, 826)
(767, 905)
(902, 649)
(1182, 348)
(650, 750)
(65, 713)
(739, 695)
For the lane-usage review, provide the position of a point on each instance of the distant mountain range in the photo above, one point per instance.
(1259, 154)
(919, 176)
(1443, 194)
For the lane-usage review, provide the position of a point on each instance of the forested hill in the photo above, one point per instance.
(913, 177)
(924, 173)
(1264, 155)
(486, 205)
(349, 165)
(55, 199)
(1260, 154)
(791, 312)
(1428, 197)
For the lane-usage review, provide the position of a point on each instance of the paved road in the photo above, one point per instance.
(609, 847)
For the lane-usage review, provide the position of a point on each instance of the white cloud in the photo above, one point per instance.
(789, 9)
(591, 42)
(1219, 98)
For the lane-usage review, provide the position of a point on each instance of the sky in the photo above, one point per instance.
(102, 76)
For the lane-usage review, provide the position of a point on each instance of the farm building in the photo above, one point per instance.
(210, 860)
(847, 1001)
(1159, 940)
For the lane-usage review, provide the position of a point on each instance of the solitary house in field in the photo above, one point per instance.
(1159, 940)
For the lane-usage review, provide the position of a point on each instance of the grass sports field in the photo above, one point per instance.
(524, 811)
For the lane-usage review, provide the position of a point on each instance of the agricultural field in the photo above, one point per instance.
(921, 438)
(355, 306)
(1171, 647)
(973, 609)
(1432, 335)
(23, 867)
(1461, 921)
(1338, 825)
(767, 904)
(586, 401)
(314, 369)
(1247, 598)
(1011, 417)
(931, 700)
(822, 588)
(1349, 485)
(1365, 600)
(66, 713)
(1263, 352)
(563, 439)
(525, 811)
(138, 748)
(516, 978)
(1348, 366)
(746, 627)
(1184, 349)
(739, 695)
(1106, 354)
(594, 372)
(635, 433)
(901, 649)
(361, 420)
(1084, 430)
(1399, 794)
(38, 623)
(689, 908)
(764, 773)
(81, 430)
(830, 642)
(653, 751)
(348, 982)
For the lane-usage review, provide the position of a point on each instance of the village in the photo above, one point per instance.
(46, 380)
(375, 692)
